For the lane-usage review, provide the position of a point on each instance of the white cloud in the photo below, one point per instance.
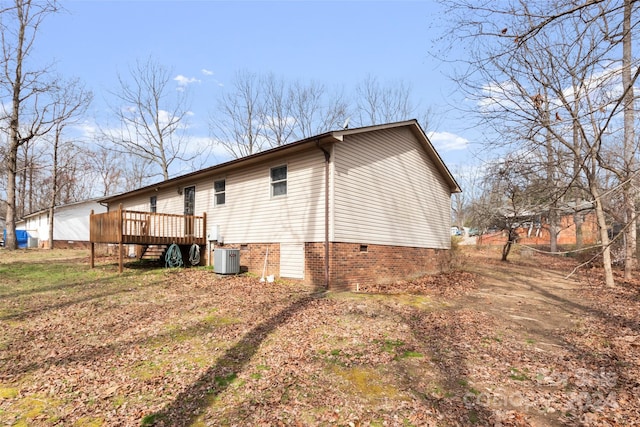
(208, 73)
(184, 81)
(88, 129)
(164, 117)
(446, 141)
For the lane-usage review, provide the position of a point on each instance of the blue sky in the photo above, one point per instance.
(207, 42)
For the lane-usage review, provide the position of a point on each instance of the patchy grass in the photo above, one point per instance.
(369, 383)
(517, 375)
(158, 347)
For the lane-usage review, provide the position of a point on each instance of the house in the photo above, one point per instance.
(533, 230)
(335, 210)
(70, 225)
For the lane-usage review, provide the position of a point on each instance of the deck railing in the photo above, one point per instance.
(145, 228)
(137, 227)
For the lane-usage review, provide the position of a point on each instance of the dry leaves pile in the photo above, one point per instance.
(187, 347)
(446, 284)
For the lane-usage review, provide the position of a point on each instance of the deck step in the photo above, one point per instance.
(154, 252)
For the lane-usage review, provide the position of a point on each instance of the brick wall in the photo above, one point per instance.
(353, 264)
(252, 257)
(541, 236)
(65, 244)
(350, 265)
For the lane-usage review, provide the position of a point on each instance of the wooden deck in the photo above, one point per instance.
(145, 228)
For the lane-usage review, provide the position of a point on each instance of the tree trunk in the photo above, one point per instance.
(511, 239)
(578, 220)
(553, 229)
(11, 243)
(604, 237)
(54, 190)
(551, 183)
(629, 192)
(30, 164)
(630, 260)
(14, 137)
(21, 190)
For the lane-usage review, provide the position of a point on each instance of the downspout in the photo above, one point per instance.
(327, 157)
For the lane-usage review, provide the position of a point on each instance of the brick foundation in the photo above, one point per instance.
(252, 257)
(64, 244)
(351, 264)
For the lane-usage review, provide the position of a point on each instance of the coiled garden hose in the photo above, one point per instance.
(194, 254)
(173, 257)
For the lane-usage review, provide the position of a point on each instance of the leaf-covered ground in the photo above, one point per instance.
(497, 344)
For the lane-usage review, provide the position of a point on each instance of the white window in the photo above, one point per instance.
(279, 181)
(219, 188)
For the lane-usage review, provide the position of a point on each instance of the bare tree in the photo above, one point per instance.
(315, 110)
(28, 111)
(31, 171)
(511, 196)
(71, 102)
(594, 79)
(277, 115)
(238, 125)
(471, 179)
(74, 176)
(383, 104)
(136, 173)
(630, 167)
(152, 117)
(551, 74)
(105, 165)
(267, 112)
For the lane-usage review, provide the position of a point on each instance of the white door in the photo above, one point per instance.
(292, 260)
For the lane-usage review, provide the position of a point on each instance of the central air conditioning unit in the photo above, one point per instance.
(226, 261)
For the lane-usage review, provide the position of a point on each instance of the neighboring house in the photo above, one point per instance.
(536, 232)
(335, 210)
(70, 225)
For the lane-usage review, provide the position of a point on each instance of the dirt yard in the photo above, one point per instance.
(494, 344)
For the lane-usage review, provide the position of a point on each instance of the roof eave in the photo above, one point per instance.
(325, 138)
(293, 147)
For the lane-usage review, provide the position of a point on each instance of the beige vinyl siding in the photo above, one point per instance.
(388, 191)
(133, 204)
(170, 201)
(250, 214)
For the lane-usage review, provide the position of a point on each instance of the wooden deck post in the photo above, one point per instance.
(93, 249)
(204, 235)
(121, 226)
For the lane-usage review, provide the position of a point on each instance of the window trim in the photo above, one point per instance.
(272, 182)
(153, 204)
(184, 198)
(216, 193)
